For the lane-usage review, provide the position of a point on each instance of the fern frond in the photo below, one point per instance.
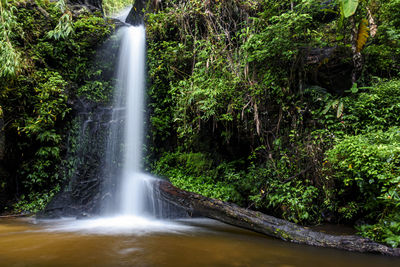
(363, 34)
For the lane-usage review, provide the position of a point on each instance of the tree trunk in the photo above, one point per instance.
(357, 58)
(231, 214)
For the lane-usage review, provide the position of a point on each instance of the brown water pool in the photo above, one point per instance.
(27, 242)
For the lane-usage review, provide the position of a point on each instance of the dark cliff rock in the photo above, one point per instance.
(90, 125)
(82, 191)
(136, 14)
(329, 68)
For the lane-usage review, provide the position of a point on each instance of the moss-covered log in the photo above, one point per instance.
(197, 205)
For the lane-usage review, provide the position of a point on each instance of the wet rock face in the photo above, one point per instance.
(92, 5)
(81, 194)
(329, 68)
(84, 161)
(136, 14)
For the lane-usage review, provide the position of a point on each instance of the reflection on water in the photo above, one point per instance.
(26, 242)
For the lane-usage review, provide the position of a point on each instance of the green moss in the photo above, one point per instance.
(282, 234)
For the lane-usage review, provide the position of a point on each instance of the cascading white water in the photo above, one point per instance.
(131, 86)
(135, 193)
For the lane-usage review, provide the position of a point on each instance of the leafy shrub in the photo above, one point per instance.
(369, 164)
(366, 168)
(10, 57)
(291, 198)
(50, 105)
(193, 172)
(375, 109)
(35, 201)
(386, 230)
(365, 109)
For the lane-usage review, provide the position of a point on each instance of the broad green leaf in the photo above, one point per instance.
(349, 7)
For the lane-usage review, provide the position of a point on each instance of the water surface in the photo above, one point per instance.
(27, 242)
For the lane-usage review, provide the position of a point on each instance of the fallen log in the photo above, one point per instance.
(197, 205)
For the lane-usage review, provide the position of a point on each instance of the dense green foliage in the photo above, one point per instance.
(9, 57)
(364, 163)
(369, 164)
(54, 50)
(253, 102)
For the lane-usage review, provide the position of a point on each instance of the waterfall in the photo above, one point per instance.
(127, 190)
(128, 201)
(130, 89)
(133, 195)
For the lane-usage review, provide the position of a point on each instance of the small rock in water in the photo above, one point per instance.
(83, 215)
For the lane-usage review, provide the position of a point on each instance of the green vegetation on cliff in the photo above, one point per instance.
(48, 64)
(267, 104)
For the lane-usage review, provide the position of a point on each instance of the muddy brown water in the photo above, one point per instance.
(27, 242)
